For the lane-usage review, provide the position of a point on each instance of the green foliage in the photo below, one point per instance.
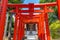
(44, 1)
(52, 18)
(14, 1)
(55, 29)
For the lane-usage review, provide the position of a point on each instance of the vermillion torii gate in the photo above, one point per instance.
(20, 19)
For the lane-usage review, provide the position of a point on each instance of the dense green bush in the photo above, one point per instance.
(55, 29)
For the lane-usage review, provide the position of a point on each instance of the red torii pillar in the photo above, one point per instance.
(41, 33)
(16, 25)
(3, 18)
(46, 23)
(58, 4)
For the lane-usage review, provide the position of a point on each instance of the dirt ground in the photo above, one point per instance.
(51, 39)
(7, 38)
(57, 39)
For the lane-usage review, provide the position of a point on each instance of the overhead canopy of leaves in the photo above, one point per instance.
(44, 1)
(14, 1)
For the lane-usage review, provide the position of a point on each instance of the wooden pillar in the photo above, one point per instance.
(46, 23)
(42, 26)
(39, 28)
(41, 33)
(58, 4)
(21, 28)
(21, 31)
(3, 18)
(16, 25)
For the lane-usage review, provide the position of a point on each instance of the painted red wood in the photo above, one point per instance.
(3, 17)
(58, 4)
(16, 25)
(46, 23)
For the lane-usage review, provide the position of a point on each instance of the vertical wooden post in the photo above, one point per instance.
(58, 4)
(47, 24)
(21, 31)
(21, 28)
(3, 18)
(41, 27)
(16, 25)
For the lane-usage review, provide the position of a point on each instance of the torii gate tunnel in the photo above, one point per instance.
(21, 19)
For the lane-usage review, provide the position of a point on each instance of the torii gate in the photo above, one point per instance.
(19, 22)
